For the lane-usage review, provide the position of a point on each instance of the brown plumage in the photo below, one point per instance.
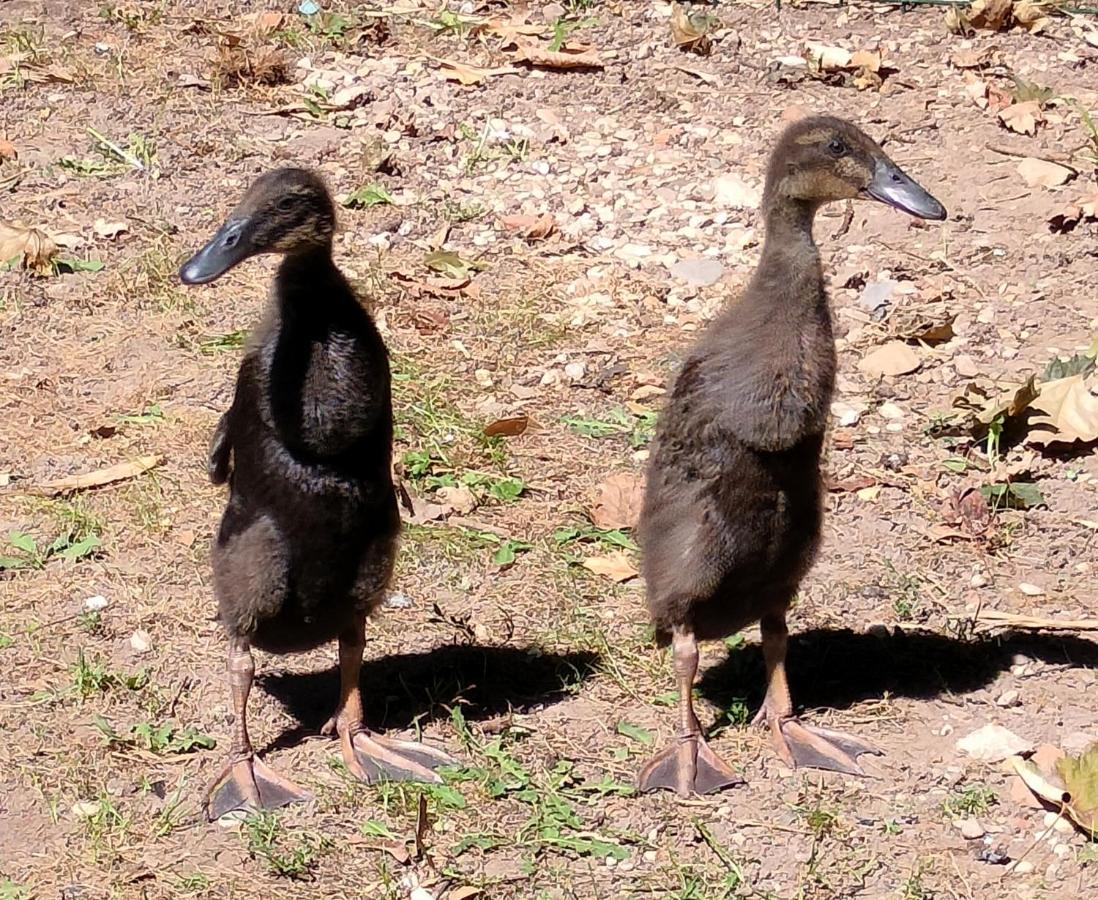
(733, 507)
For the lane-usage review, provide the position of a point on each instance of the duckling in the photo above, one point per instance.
(308, 538)
(733, 504)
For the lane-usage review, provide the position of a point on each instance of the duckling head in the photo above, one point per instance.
(286, 211)
(821, 159)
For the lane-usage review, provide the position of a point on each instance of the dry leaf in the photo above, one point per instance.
(690, 29)
(459, 498)
(991, 15)
(1069, 412)
(956, 20)
(1022, 118)
(971, 58)
(1073, 213)
(510, 30)
(1042, 173)
(29, 247)
(1080, 775)
(618, 501)
(109, 229)
(463, 73)
(893, 358)
(1032, 15)
(615, 565)
(993, 743)
(465, 892)
(567, 57)
(509, 427)
(7, 149)
(99, 477)
(976, 88)
(533, 228)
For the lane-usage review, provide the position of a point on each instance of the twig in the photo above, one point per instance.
(1062, 159)
(994, 618)
(1014, 863)
(719, 851)
(122, 154)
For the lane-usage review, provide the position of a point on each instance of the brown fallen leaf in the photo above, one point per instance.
(1032, 15)
(109, 230)
(99, 477)
(27, 246)
(1074, 213)
(532, 228)
(618, 501)
(1068, 412)
(966, 508)
(690, 29)
(508, 427)
(459, 498)
(972, 58)
(614, 565)
(893, 358)
(1022, 118)
(465, 892)
(851, 485)
(567, 57)
(466, 74)
(991, 15)
(956, 21)
(510, 30)
(1042, 173)
(7, 150)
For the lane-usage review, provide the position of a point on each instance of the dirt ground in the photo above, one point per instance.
(498, 643)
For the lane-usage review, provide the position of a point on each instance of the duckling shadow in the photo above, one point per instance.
(837, 668)
(416, 688)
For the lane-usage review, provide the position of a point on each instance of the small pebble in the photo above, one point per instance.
(141, 641)
(1025, 867)
(971, 829)
(650, 856)
(1008, 698)
(85, 809)
(611, 862)
(96, 603)
(627, 866)
(977, 581)
(1030, 590)
(421, 894)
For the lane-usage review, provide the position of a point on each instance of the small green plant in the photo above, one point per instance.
(72, 265)
(970, 800)
(223, 343)
(162, 739)
(610, 537)
(91, 676)
(330, 26)
(193, 882)
(86, 168)
(820, 820)
(64, 547)
(1012, 495)
(289, 856)
(152, 414)
(447, 21)
(367, 196)
(639, 428)
(9, 890)
(458, 211)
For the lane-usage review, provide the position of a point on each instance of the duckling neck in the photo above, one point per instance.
(789, 276)
(309, 286)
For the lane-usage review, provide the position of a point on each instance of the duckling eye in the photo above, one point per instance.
(836, 148)
(287, 203)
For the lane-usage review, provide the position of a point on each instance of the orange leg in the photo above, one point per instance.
(244, 781)
(688, 765)
(796, 743)
(370, 757)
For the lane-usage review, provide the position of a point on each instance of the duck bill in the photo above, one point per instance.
(892, 185)
(231, 245)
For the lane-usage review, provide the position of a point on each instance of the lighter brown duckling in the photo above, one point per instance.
(733, 506)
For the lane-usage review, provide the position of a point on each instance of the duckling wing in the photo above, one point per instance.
(219, 457)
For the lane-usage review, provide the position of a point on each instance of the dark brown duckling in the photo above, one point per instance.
(733, 507)
(308, 539)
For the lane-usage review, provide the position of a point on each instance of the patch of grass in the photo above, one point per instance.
(906, 592)
(90, 675)
(223, 343)
(151, 280)
(487, 146)
(10, 890)
(152, 414)
(193, 883)
(446, 21)
(589, 534)
(73, 543)
(639, 428)
(819, 818)
(970, 800)
(913, 887)
(458, 211)
(162, 739)
(288, 855)
(367, 196)
(551, 799)
(108, 827)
